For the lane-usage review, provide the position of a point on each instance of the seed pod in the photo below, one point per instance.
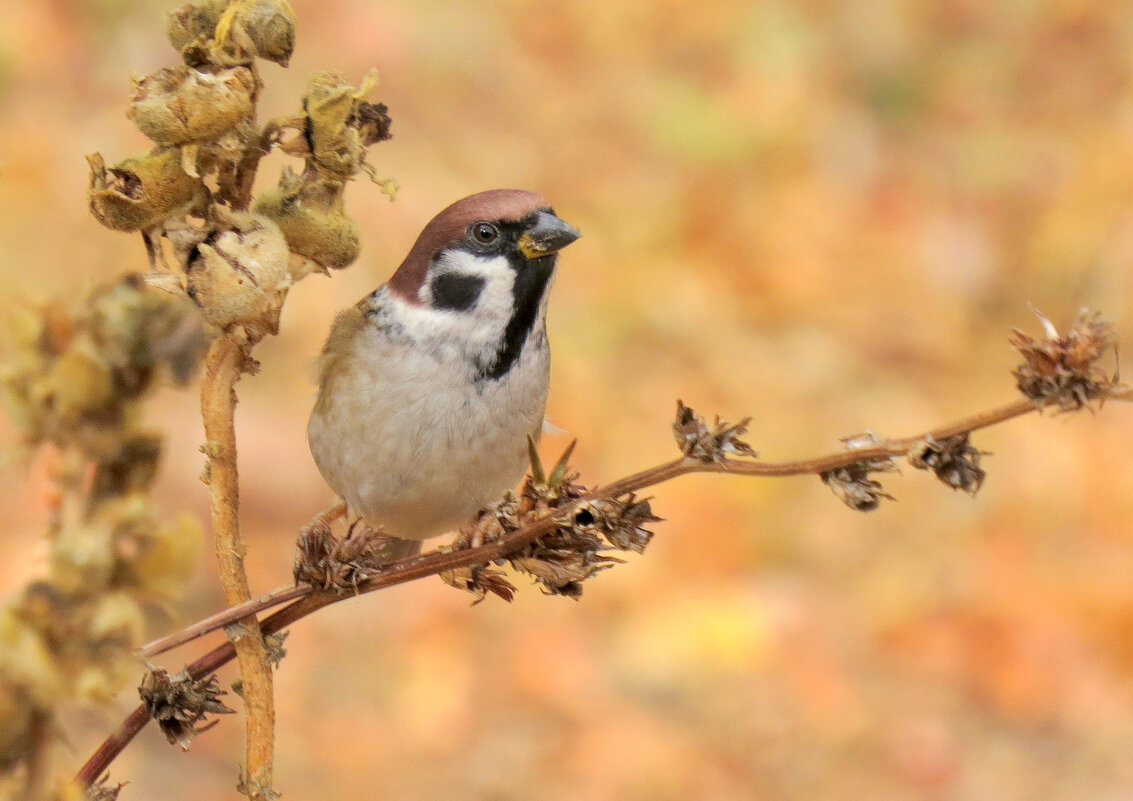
(264, 28)
(271, 27)
(140, 192)
(193, 22)
(340, 124)
(312, 218)
(179, 105)
(238, 275)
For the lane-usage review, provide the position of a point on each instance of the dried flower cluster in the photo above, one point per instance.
(575, 550)
(337, 565)
(73, 374)
(852, 484)
(74, 378)
(180, 704)
(102, 790)
(697, 441)
(953, 460)
(193, 189)
(1063, 370)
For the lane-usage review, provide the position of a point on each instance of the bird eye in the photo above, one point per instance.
(485, 233)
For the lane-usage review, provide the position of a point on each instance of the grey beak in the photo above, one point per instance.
(548, 235)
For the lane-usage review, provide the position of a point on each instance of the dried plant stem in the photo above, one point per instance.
(645, 478)
(223, 366)
(303, 601)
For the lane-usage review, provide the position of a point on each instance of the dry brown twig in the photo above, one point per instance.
(554, 506)
(238, 256)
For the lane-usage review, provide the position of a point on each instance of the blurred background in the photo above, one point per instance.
(823, 215)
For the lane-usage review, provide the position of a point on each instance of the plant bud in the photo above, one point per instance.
(312, 218)
(140, 192)
(179, 105)
(239, 273)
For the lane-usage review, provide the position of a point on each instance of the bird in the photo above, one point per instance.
(431, 385)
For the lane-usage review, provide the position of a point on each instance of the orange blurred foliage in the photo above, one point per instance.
(824, 215)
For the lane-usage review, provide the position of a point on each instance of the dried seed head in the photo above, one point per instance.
(193, 22)
(340, 125)
(479, 580)
(853, 487)
(138, 329)
(179, 703)
(141, 192)
(274, 645)
(239, 274)
(1063, 371)
(256, 28)
(953, 460)
(101, 790)
(622, 521)
(179, 105)
(697, 441)
(310, 213)
(337, 565)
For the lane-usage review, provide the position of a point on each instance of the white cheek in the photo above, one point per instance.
(494, 305)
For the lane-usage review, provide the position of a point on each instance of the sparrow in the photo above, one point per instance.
(430, 386)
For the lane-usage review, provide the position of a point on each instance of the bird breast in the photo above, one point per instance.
(410, 438)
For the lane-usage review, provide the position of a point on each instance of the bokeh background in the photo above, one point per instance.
(825, 215)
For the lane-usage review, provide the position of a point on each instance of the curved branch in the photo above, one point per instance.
(304, 601)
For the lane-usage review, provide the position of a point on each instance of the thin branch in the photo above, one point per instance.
(304, 601)
(645, 478)
(223, 365)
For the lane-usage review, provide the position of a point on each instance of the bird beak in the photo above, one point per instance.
(548, 235)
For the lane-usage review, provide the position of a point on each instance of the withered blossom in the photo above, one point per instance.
(479, 580)
(339, 125)
(953, 460)
(180, 704)
(1063, 370)
(256, 29)
(330, 564)
(143, 191)
(852, 484)
(274, 644)
(310, 212)
(698, 441)
(562, 559)
(178, 105)
(239, 274)
(101, 790)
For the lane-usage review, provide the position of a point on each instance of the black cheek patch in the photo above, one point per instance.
(456, 291)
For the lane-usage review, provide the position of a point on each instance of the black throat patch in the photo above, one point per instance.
(531, 279)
